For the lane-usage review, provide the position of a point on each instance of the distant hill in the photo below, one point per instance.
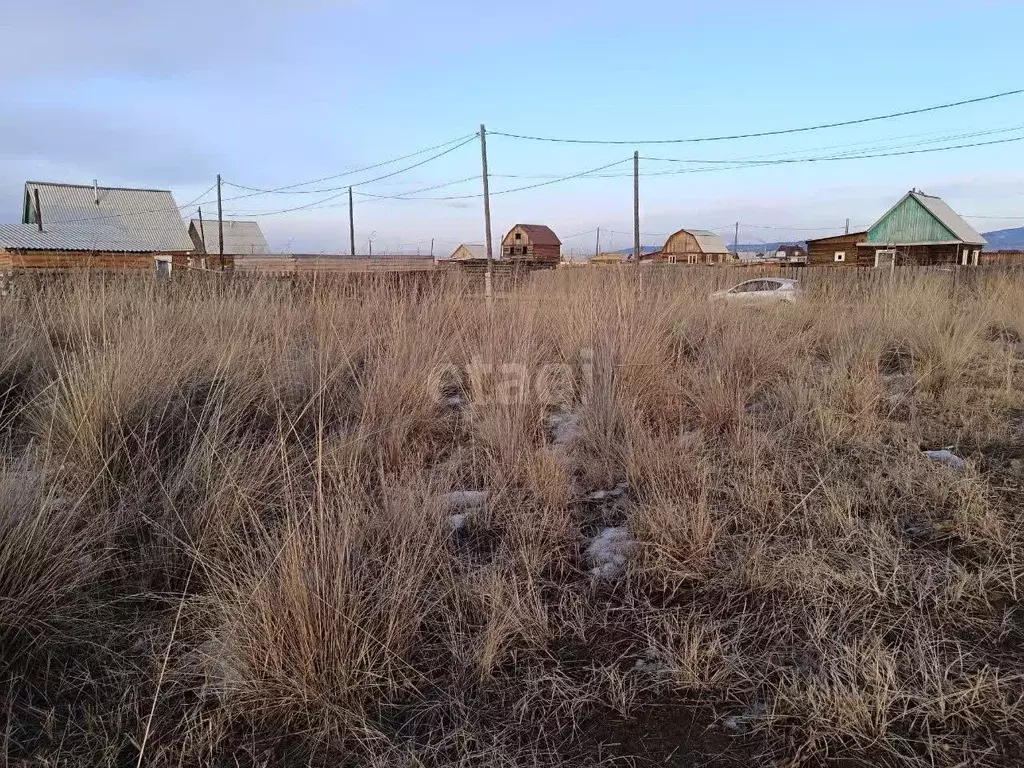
(1005, 239)
(762, 247)
(643, 249)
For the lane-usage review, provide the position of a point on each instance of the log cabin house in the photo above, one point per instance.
(838, 250)
(691, 246)
(920, 230)
(531, 242)
(67, 226)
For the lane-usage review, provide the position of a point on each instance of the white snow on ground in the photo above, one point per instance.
(565, 427)
(608, 552)
(461, 506)
(464, 499)
(609, 495)
(459, 522)
(947, 457)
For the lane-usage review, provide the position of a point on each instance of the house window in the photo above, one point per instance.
(840, 256)
(885, 257)
(974, 257)
(671, 259)
(519, 236)
(966, 257)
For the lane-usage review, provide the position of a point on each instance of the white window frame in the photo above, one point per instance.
(887, 252)
(966, 258)
(974, 256)
(671, 259)
(840, 256)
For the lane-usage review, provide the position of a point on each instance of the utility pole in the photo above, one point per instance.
(202, 236)
(736, 241)
(847, 226)
(220, 226)
(636, 207)
(431, 248)
(351, 225)
(487, 212)
(597, 248)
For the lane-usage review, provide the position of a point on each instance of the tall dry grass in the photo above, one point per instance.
(225, 535)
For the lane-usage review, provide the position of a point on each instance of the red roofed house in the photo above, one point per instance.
(531, 242)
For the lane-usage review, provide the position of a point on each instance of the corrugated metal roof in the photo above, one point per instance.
(950, 219)
(69, 237)
(137, 220)
(240, 237)
(708, 241)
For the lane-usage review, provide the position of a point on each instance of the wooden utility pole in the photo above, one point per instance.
(351, 225)
(487, 212)
(220, 226)
(736, 241)
(847, 226)
(597, 248)
(202, 236)
(636, 207)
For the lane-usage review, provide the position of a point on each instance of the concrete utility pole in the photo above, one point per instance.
(487, 212)
(351, 225)
(636, 207)
(736, 241)
(847, 226)
(431, 247)
(597, 248)
(220, 226)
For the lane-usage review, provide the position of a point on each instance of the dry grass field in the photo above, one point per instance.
(602, 521)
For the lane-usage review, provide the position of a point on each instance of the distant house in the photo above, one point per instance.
(691, 246)
(241, 238)
(531, 242)
(469, 252)
(919, 230)
(71, 225)
(607, 258)
(791, 254)
(838, 250)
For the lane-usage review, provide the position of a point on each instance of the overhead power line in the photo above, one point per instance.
(795, 160)
(759, 134)
(368, 181)
(353, 172)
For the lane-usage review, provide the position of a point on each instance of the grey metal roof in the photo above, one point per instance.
(70, 237)
(240, 237)
(139, 220)
(708, 241)
(950, 219)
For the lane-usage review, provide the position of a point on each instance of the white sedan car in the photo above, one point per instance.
(762, 290)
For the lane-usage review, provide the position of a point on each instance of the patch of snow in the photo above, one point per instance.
(735, 724)
(565, 427)
(608, 495)
(947, 457)
(464, 499)
(608, 552)
(459, 522)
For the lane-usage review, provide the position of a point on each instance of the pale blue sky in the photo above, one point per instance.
(166, 95)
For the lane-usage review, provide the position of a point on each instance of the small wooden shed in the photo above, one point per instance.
(531, 242)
